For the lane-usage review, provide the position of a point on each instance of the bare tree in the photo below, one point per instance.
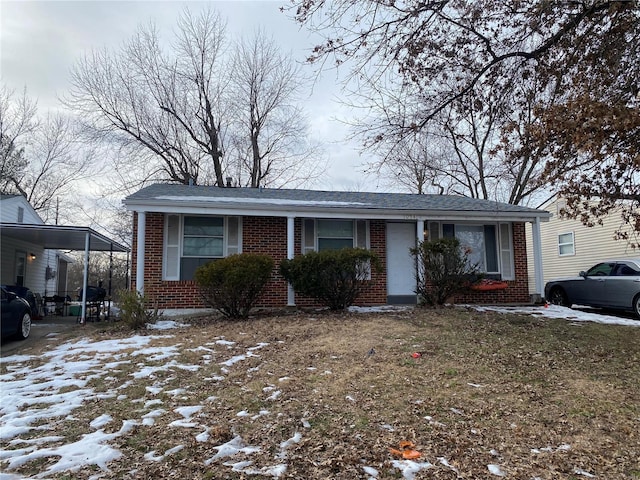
(269, 129)
(174, 106)
(163, 109)
(42, 159)
(419, 164)
(581, 59)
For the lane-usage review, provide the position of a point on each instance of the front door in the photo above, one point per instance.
(401, 265)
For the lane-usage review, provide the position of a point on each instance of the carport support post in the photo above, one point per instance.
(537, 257)
(142, 220)
(291, 298)
(85, 279)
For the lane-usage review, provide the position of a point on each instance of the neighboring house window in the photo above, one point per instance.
(191, 241)
(20, 268)
(566, 244)
(20, 214)
(489, 246)
(561, 206)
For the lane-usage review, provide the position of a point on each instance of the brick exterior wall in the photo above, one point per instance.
(269, 235)
(166, 294)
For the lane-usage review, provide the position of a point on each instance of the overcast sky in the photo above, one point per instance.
(41, 40)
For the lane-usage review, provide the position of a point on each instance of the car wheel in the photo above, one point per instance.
(636, 305)
(24, 329)
(559, 297)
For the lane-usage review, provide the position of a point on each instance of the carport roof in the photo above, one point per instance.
(61, 237)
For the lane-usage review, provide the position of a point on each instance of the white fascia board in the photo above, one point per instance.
(336, 212)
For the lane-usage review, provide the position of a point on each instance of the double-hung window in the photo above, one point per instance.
(203, 237)
(330, 234)
(334, 234)
(566, 244)
(193, 240)
(488, 246)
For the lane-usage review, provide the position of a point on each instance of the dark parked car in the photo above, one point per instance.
(24, 292)
(612, 284)
(16, 315)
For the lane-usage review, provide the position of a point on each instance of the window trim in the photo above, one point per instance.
(572, 243)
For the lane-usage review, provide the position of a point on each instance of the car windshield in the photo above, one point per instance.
(600, 270)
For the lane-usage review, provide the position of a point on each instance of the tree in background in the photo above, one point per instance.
(99, 266)
(559, 70)
(269, 129)
(41, 159)
(186, 111)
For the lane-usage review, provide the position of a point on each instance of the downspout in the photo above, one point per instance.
(291, 297)
(142, 219)
(537, 257)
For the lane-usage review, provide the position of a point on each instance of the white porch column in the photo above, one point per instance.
(419, 238)
(420, 230)
(85, 278)
(142, 218)
(291, 298)
(537, 257)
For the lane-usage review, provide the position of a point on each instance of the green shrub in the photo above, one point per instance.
(333, 277)
(233, 284)
(443, 270)
(135, 312)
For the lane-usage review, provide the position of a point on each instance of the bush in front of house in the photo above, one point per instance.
(444, 269)
(232, 285)
(136, 310)
(333, 277)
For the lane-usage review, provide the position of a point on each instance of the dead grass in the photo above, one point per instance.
(487, 389)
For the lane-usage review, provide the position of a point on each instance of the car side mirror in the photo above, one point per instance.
(11, 296)
(583, 274)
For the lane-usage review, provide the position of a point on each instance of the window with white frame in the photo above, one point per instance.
(334, 234)
(489, 246)
(193, 240)
(566, 244)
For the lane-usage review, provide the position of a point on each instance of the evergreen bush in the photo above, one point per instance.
(444, 269)
(232, 285)
(333, 277)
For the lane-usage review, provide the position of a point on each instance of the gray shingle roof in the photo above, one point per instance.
(279, 198)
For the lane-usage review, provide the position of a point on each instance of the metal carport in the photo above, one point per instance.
(64, 237)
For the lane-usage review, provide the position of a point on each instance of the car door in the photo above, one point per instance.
(622, 285)
(593, 291)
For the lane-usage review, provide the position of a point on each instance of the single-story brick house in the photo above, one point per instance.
(179, 227)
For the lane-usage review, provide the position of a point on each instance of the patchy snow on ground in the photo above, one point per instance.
(556, 311)
(34, 395)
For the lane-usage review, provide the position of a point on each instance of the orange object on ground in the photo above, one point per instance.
(407, 450)
(487, 284)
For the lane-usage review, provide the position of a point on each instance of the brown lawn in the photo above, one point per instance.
(538, 398)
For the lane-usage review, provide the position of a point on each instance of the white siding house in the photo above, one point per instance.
(568, 246)
(28, 264)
